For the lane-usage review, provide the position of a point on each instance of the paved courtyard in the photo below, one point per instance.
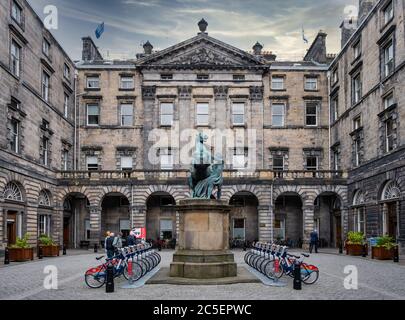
(377, 280)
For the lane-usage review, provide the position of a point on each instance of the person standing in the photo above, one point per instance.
(131, 241)
(314, 241)
(109, 247)
(107, 235)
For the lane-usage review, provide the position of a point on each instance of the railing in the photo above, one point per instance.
(183, 174)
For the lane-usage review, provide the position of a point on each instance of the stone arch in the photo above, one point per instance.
(229, 192)
(14, 190)
(306, 200)
(65, 192)
(123, 190)
(337, 190)
(382, 189)
(45, 198)
(177, 193)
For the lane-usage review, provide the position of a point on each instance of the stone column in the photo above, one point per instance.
(138, 216)
(95, 225)
(308, 223)
(345, 222)
(265, 221)
(3, 228)
(57, 232)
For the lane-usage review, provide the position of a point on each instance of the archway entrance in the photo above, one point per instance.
(76, 220)
(288, 220)
(161, 218)
(14, 212)
(243, 219)
(115, 215)
(390, 197)
(328, 219)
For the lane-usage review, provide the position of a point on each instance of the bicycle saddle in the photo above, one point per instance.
(99, 258)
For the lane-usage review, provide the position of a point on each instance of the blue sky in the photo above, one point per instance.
(276, 24)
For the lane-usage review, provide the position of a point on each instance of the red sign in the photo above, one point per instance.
(140, 233)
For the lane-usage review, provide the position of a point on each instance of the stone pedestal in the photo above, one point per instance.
(203, 241)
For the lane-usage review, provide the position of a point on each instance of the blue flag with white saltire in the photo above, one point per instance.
(99, 30)
(303, 35)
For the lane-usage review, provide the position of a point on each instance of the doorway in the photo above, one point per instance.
(11, 228)
(391, 220)
(66, 231)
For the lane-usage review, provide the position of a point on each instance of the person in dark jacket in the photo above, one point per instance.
(314, 241)
(109, 247)
(131, 241)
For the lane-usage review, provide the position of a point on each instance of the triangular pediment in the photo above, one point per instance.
(202, 52)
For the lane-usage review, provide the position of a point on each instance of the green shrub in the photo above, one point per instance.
(22, 243)
(45, 240)
(355, 237)
(386, 242)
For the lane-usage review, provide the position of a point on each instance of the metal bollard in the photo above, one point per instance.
(95, 248)
(297, 276)
(364, 253)
(340, 248)
(40, 256)
(109, 286)
(6, 256)
(64, 250)
(396, 254)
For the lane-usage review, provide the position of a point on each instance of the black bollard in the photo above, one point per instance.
(297, 276)
(340, 248)
(64, 250)
(95, 248)
(109, 287)
(364, 253)
(6, 256)
(396, 254)
(40, 252)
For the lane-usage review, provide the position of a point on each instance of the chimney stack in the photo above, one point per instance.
(147, 47)
(257, 49)
(90, 51)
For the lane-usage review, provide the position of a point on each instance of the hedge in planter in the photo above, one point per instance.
(384, 250)
(355, 243)
(21, 251)
(48, 247)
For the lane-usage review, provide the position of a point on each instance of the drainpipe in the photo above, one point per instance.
(75, 130)
(330, 125)
(75, 230)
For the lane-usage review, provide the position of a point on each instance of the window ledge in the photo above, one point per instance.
(126, 89)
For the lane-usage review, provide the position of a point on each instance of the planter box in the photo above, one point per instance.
(381, 253)
(354, 249)
(50, 251)
(21, 254)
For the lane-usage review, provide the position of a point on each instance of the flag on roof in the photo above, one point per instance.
(99, 30)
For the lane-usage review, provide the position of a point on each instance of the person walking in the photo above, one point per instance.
(314, 241)
(109, 247)
(131, 241)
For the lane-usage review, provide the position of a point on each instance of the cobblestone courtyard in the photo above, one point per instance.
(377, 280)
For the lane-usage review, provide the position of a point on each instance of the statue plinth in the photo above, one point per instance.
(203, 241)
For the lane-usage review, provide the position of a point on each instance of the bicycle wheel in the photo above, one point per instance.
(255, 259)
(258, 263)
(276, 267)
(309, 273)
(151, 262)
(158, 257)
(144, 267)
(246, 257)
(268, 270)
(154, 260)
(262, 264)
(96, 280)
(137, 271)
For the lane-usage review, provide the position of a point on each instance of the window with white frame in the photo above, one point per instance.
(311, 83)
(65, 159)
(16, 12)
(127, 82)
(45, 85)
(46, 46)
(336, 160)
(360, 220)
(93, 82)
(66, 71)
(166, 113)
(335, 76)
(66, 106)
(311, 114)
(312, 163)
(15, 56)
(389, 135)
(356, 88)
(166, 229)
(278, 163)
(15, 132)
(44, 225)
(277, 83)
(126, 163)
(334, 109)
(92, 163)
(166, 158)
(238, 113)
(127, 114)
(202, 114)
(45, 151)
(388, 58)
(357, 148)
(357, 49)
(357, 122)
(278, 114)
(389, 101)
(93, 114)
(239, 158)
(388, 12)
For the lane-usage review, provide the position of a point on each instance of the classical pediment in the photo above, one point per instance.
(202, 52)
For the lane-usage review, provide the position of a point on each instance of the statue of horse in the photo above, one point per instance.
(205, 172)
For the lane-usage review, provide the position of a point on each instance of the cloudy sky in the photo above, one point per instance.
(277, 24)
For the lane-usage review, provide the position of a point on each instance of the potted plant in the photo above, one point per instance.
(21, 250)
(49, 248)
(384, 248)
(355, 243)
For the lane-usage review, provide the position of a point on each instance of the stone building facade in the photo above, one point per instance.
(109, 168)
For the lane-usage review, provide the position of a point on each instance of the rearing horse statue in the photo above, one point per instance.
(205, 172)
